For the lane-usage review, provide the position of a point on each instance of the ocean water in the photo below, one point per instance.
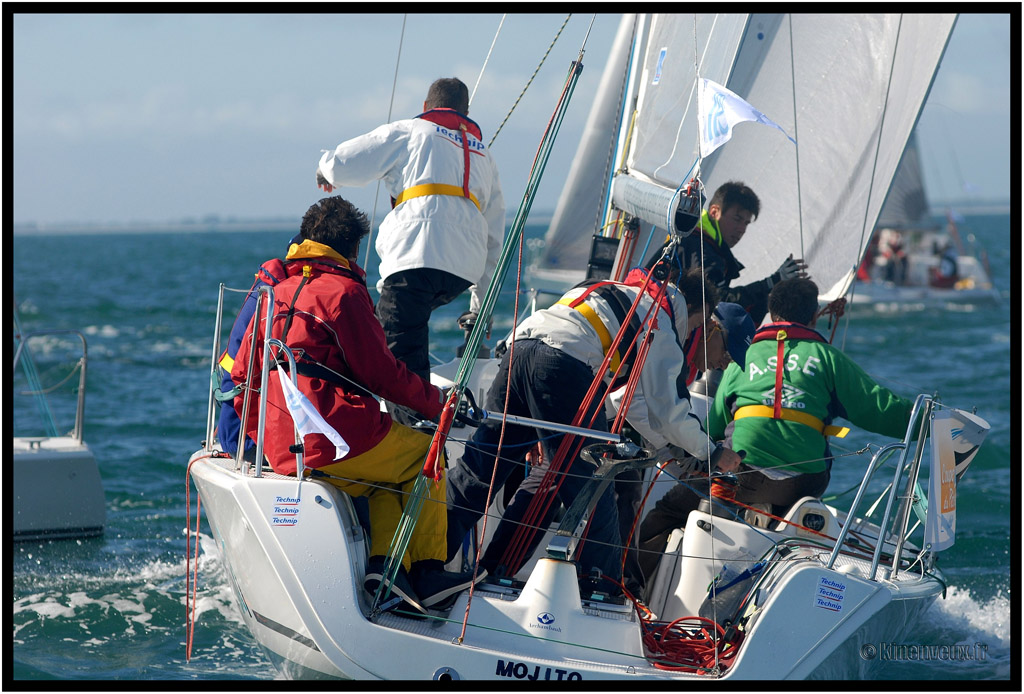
(113, 608)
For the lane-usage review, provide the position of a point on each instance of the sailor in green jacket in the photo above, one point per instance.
(781, 420)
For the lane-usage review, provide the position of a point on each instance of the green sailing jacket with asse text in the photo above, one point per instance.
(818, 380)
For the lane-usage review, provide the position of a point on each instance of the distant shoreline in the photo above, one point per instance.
(216, 225)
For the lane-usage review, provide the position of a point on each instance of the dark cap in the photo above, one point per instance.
(739, 328)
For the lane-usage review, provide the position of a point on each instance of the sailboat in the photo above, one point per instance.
(933, 265)
(58, 493)
(734, 597)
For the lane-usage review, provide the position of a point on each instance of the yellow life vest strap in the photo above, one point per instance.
(598, 325)
(791, 415)
(226, 362)
(433, 189)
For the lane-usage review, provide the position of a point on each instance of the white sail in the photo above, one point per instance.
(665, 140)
(848, 88)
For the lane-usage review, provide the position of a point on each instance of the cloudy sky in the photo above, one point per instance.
(162, 117)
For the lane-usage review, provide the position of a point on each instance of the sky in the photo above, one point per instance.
(121, 118)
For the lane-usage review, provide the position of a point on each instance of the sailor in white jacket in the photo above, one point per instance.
(445, 231)
(555, 357)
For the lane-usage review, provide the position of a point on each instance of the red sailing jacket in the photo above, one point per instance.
(334, 326)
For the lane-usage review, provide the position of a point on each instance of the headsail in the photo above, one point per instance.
(851, 119)
(906, 205)
(848, 88)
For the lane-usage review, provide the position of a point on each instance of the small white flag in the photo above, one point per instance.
(721, 109)
(307, 419)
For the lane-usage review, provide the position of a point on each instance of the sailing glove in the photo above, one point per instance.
(791, 268)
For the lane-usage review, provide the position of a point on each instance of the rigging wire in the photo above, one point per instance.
(704, 324)
(878, 146)
(484, 66)
(391, 104)
(796, 138)
(530, 81)
(497, 452)
(32, 376)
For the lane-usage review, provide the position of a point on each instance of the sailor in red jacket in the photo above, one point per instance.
(324, 314)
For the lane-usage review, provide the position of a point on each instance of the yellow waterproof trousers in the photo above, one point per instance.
(386, 474)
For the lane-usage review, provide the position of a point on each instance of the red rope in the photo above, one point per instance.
(836, 309)
(190, 586)
(515, 553)
(684, 645)
(639, 514)
(501, 441)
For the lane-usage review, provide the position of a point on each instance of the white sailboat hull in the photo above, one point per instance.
(57, 489)
(295, 555)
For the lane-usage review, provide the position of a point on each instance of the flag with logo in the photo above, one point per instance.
(307, 419)
(721, 109)
(956, 437)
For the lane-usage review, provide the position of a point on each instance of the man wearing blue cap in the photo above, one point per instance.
(729, 334)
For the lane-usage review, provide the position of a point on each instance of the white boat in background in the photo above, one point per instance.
(939, 267)
(58, 492)
(738, 595)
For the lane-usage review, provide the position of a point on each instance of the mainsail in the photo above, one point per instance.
(848, 88)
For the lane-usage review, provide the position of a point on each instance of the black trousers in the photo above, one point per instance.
(672, 510)
(545, 384)
(407, 299)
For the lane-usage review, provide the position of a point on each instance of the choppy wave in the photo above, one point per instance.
(109, 613)
(971, 620)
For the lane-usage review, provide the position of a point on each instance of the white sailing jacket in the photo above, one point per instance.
(660, 409)
(445, 232)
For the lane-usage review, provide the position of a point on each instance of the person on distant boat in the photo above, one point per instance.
(732, 209)
(947, 273)
(546, 375)
(445, 230)
(891, 259)
(323, 312)
(787, 455)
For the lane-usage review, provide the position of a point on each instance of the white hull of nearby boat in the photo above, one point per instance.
(57, 489)
(295, 555)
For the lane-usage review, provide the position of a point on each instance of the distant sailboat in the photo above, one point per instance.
(912, 259)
